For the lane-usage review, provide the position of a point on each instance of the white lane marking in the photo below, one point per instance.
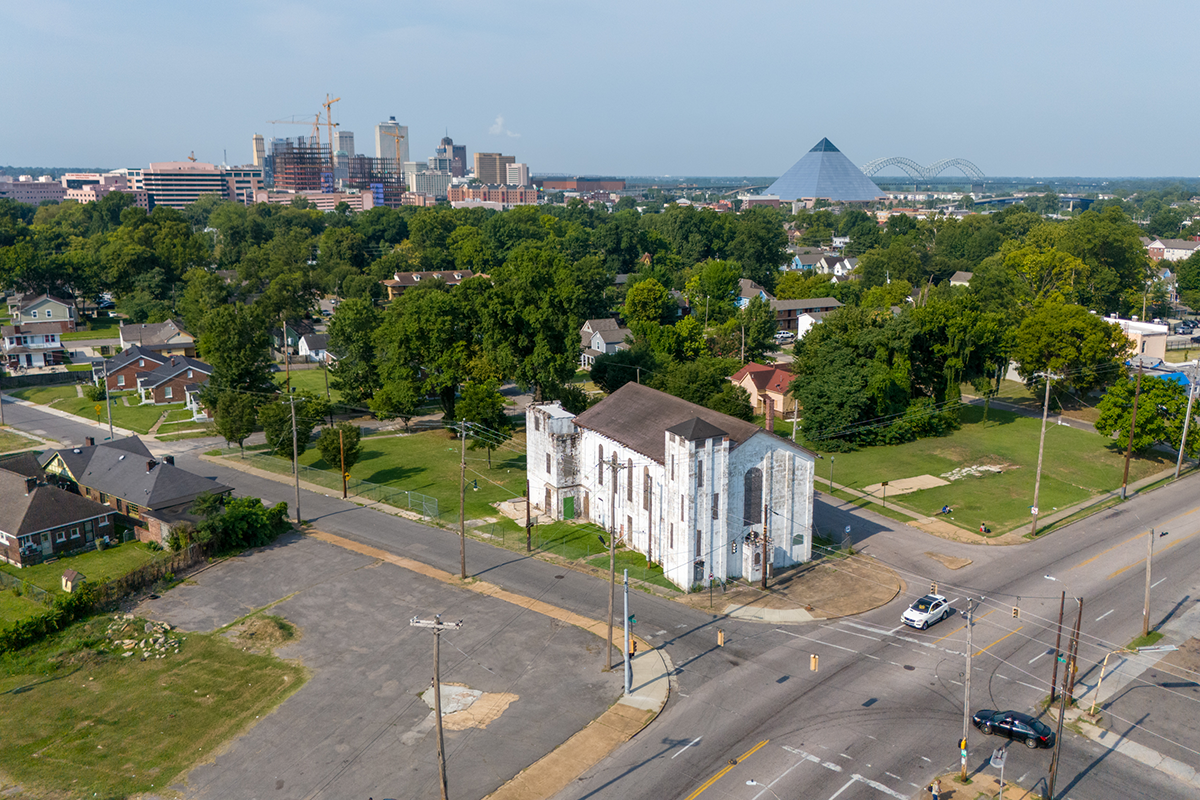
(852, 633)
(879, 787)
(923, 758)
(890, 775)
(686, 746)
(896, 663)
(893, 644)
(843, 755)
(818, 641)
(868, 655)
(1106, 613)
(1003, 677)
(1031, 686)
(956, 683)
(1022, 778)
(869, 736)
(869, 628)
(1157, 582)
(849, 783)
(777, 780)
(814, 759)
(1039, 655)
(661, 633)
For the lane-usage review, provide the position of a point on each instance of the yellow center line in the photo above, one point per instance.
(1141, 561)
(958, 630)
(1109, 550)
(998, 641)
(725, 769)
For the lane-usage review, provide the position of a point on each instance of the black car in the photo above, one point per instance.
(1016, 726)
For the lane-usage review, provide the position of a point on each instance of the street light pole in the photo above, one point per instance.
(1187, 419)
(612, 561)
(1149, 558)
(1137, 393)
(1037, 480)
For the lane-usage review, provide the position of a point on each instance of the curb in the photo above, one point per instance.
(626, 717)
(1138, 752)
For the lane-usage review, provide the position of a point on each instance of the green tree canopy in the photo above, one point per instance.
(1162, 406)
(1080, 347)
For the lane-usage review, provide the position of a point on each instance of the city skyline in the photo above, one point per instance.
(690, 89)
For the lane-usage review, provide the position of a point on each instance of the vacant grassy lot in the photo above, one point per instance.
(1077, 466)
(140, 418)
(14, 607)
(45, 395)
(1060, 403)
(310, 380)
(96, 566)
(1178, 356)
(82, 719)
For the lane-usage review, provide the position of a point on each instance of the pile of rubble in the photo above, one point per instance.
(157, 640)
(976, 471)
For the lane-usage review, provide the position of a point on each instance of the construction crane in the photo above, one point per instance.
(399, 166)
(192, 157)
(316, 126)
(329, 124)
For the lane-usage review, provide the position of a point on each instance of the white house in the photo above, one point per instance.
(600, 337)
(690, 488)
(313, 346)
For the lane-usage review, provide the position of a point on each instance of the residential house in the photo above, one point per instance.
(1172, 249)
(798, 316)
(961, 278)
(1149, 338)
(38, 521)
(400, 281)
(295, 332)
(313, 346)
(836, 265)
(168, 383)
(150, 495)
(167, 338)
(123, 368)
(601, 337)
(43, 308)
(748, 290)
(708, 496)
(769, 387)
(33, 344)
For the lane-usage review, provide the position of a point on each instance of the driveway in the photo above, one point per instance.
(358, 727)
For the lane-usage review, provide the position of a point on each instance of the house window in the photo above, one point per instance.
(189, 373)
(102, 497)
(629, 480)
(537, 422)
(103, 522)
(645, 488)
(752, 497)
(671, 535)
(87, 527)
(699, 473)
(49, 313)
(74, 533)
(141, 362)
(716, 505)
(167, 393)
(33, 314)
(131, 510)
(601, 450)
(60, 536)
(120, 380)
(547, 463)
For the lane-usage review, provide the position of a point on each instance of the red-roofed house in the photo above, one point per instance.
(761, 382)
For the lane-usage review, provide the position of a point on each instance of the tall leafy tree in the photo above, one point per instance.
(1069, 341)
(352, 335)
(236, 345)
(424, 341)
(340, 445)
(1162, 407)
(236, 416)
(483, 405)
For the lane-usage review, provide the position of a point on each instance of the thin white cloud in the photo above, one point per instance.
(498, 129)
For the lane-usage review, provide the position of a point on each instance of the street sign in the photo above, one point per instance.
(847, 529)
(99, 409)
(1033, 510)
(998, 757)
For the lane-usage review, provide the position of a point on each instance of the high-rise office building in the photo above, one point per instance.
(517, 175)
(344, 141)
(457, 153)
(178, 183)
(260, 150)
(385, 141)
(490, 168)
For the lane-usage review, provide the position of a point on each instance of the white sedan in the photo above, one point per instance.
(929, 609)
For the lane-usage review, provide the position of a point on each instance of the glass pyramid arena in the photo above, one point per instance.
(825, 172)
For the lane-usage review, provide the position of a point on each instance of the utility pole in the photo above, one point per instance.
(1057, 650)
(1071, 668)
(528, 529)
(287, 363)
(1062, 713)
(796, 416)
(107, 402)
(766, 516)
(1187, 419)
(1132, 426)
(438, 626)
(462, 503)
(1037, 480)
(2, 399)
(342, 450)
(612, 560)
(628, 656)
(1149, 558)
(328, 399)
(967, 688)
(295, 457)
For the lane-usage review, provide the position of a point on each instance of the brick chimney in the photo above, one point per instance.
(30, 485)
(150, 464)
(169, 460)
(90, 441)
(770, 414)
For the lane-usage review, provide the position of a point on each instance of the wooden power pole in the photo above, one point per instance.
(438, 626)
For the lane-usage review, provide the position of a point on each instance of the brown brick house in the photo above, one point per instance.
(123, 368)
(169, 382)
(38, 520)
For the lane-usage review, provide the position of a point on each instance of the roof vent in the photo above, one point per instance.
(76, 450)
(121, 457)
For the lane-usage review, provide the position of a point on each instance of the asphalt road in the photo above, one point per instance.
(885, 708)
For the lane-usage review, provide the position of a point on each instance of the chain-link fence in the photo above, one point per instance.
(25, 588)
(422, 504)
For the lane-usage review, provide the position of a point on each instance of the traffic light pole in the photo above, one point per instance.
(628, 656)
(967, 689)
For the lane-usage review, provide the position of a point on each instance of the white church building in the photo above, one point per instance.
(688, 487)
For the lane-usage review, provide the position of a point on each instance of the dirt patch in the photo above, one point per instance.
(481, 713)
(828, 588)
(949, 562)
(263, 633)
(906, 485)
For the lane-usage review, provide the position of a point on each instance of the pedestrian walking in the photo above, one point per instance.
(935, 789)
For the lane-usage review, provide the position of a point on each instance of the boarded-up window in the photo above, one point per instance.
(671, 535)
(716, 505)
(547, 463)
(537, 422)
(699, 473)
(629, 479)
(752, 497)
(645, 488)
(698, 553)
(601, 449)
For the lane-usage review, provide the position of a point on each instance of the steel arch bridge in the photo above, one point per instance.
(916, 171)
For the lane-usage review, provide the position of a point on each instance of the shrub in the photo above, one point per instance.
(94, 393)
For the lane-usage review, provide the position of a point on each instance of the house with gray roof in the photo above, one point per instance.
(707, 495)
(120, 372)
(38, 520)
(149, 494)
(599, 337)
(168, 338)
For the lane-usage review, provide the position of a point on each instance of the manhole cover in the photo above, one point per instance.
(909, 667)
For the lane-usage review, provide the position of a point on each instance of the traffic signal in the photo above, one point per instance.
(1016, 612)
(733, 548)
(812, 663)
(933, 587)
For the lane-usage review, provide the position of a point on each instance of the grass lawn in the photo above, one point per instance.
(1179, 356)
(1060, 403)
(311, 380)
(98, 328)
(179, 414)
(82, 720)
(134, 417)
(13, 441)
(96, 566)
(13, 608)
(175, 437)
(1077, 465)
(45, 395)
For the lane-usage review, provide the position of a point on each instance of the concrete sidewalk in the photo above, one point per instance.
(1140, 753)
(631, 713)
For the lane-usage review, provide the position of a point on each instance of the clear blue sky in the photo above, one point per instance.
(1102, 88)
